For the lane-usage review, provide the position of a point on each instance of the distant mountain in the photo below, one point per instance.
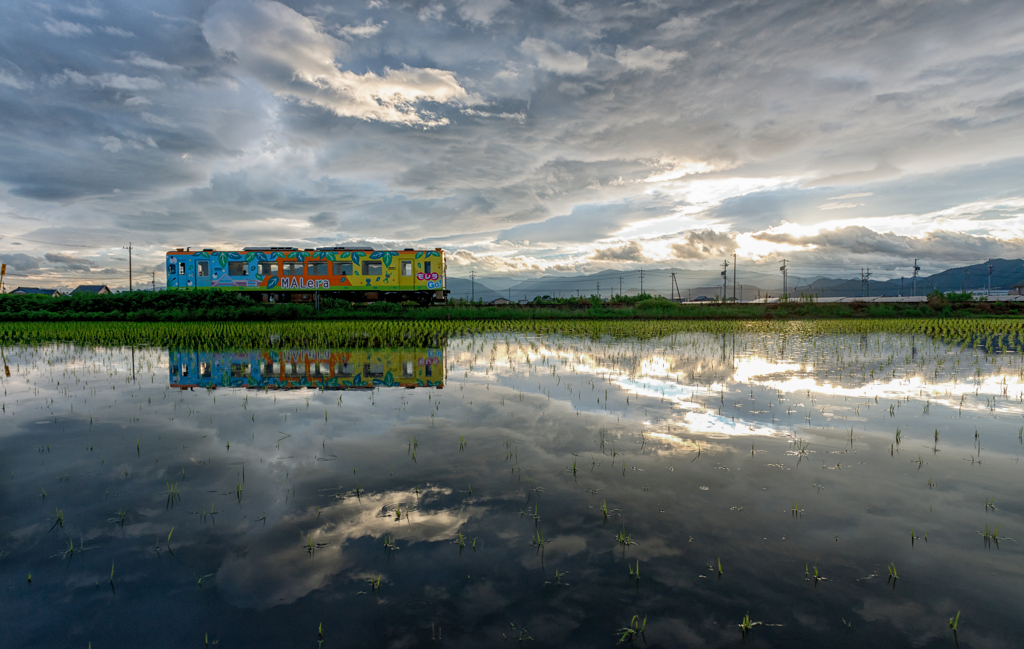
(1006, 273)
(753, 281)
(466, 289)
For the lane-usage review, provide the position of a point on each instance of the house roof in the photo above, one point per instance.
(90, 288)
(26, 290)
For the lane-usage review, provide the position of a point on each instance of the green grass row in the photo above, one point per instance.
(381, 333)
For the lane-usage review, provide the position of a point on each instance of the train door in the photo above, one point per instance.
(203, 279)
(406, 273)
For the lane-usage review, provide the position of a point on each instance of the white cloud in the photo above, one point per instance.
(839, 206)
(293, 57)
(552, 57)
(848, 196)
(432, 12)
(647, 58)
(141, 60)
(366, 30)
(109, 80)
(481, 12)
(10, 75)
(111, 143)
(65, 28)
(90, 10)
(136, 101)
(117, 31)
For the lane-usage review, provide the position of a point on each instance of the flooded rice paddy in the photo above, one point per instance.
(694, 489)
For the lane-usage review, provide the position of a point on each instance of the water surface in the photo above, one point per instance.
(514, 486)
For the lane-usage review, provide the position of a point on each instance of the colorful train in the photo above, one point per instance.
(289, 369)
(279, 274)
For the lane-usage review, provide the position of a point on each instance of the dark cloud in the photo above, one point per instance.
(69, 262)
(704, 244)
(491, 123)
(854, 242)
(18, 263)
(629, 252)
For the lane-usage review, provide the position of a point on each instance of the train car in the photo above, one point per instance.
(290, 369)
(278, 274)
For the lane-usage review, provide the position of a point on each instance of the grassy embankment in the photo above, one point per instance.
(212, 306)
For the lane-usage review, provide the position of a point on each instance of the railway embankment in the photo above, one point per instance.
(217, 306)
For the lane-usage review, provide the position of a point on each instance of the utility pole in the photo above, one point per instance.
(129, 249)
(154, 281)
(620, 285)
(785, 279)
(472, 286)
(641, 280)
(913, 291)
(990, 279)
(676, 291)
(725, 278)
(599, 289)
(734, 277)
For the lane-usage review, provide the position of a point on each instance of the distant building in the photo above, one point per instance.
(1018, 289)
(95, 289)
(500, 302)
(25, 290)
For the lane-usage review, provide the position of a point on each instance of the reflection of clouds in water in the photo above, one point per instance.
(697, 418)
(276, 569)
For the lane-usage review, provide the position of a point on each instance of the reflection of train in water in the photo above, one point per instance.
(337, 369)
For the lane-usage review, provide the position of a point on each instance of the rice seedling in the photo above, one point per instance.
(630, 632)
(320, 636)
(893, 575)
(519, 634)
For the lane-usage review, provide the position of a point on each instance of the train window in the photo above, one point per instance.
(202, 269)
(291, 268)
(238, 268)
(373, 268)
(181, 268)
(407, 369)
(426, 267)
(267, 267)
(342, 268)
(317, 268)
(204, 370)
(171, 269)
(343, 369)
(406, 269)
(429, 370)
(184, 370)
(241, 370)
(373, 370)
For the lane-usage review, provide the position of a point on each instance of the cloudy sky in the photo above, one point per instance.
(523, 136)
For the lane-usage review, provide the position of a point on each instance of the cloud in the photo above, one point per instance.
(628, 252)
(19, 262)
(647, 58)
(704, 244)
(366, 30)
(293, 57)
(858, 241)
(109, 80)
(141, 60)
(481, 12)
(12, 75)
(551, 57)
(117, 31)
(65, 28)
(431, 12)
(839, 206)
(89, 9)
(68, 262)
